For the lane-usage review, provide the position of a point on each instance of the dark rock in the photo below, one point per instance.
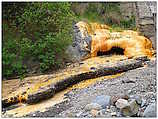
(128, 80)
(92, 68)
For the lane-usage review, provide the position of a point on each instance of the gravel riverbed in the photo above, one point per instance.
(136, 89)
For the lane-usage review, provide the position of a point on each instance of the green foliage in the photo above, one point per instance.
(128, 23)
(40, 31)
(91, 14)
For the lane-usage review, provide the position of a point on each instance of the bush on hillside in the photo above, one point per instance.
(38, 31)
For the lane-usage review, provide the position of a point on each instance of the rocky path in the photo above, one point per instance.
(132, 93)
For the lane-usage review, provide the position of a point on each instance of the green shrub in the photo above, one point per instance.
(40, 31)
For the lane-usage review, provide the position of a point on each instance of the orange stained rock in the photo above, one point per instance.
(130, 41)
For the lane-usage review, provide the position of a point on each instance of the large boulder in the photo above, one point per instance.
(91, 38)
(80, 48)
(150, 111)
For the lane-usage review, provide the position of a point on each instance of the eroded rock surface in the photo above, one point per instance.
(90, 38)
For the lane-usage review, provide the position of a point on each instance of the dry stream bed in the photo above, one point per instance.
(38, 93)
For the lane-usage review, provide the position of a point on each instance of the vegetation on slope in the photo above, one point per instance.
(36, 34)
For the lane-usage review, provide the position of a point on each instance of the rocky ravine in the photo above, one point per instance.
(132, 94)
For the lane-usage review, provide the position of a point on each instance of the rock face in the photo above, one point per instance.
(80, 48)
(91, 38)
(146, 19)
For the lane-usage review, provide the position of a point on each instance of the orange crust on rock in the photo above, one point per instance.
(130, 41)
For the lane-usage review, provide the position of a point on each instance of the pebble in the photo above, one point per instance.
(91, 106)
(127, 108)
(70, 114)
(94, 112)
(121, 103)
(113, 114)
(103, 100)
(113, 108)
(137, 98)
(107, 114)
(103, 111)
(129, 92)
(140, 112)
(78, 114)
(127, 80)
(116, 97)
(143, 103)
(150, 111)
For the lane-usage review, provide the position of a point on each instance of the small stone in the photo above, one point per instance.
(70, 115)
(121, 103)
(92, 68)
(150, 111)
(123, 96)
(113, 114)
(140, 113)
(116, 97)
(107, 110)
(103, 111)
(153, 101)
(91, 106)
(113, 108)
(130, 110)
(94, 113)
(128, 80)
(103, 100)
(137, 98)
(127, 108)
(118, 114)
(143, 103)
(129, 92)
(85, 114)
(78, 114)
(134, 106)
(34, 115)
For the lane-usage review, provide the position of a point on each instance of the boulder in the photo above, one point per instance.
(150, 111)
(127, 108)
(103, 100)
(80, 48)
(94, 106)
(121, 103)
